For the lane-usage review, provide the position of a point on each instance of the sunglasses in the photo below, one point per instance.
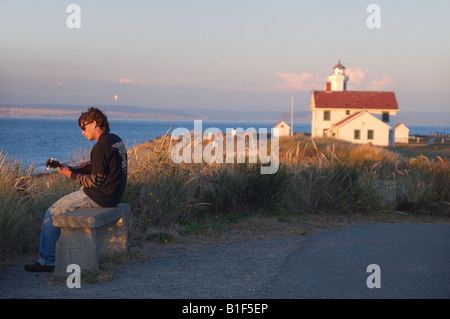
(83, 127)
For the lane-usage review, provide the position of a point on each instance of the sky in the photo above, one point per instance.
(222, 54)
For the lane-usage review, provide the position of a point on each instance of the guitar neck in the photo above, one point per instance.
(84, 168)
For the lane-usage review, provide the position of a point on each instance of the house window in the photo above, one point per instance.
(327, 115)
(370, 134)
(385, 117)
(357, 134)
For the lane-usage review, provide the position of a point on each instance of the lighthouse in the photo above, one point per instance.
(338, 80)
(359, 117)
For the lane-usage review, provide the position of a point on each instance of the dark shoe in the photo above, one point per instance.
(37, 267)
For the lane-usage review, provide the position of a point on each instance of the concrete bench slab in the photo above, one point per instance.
(88, 232)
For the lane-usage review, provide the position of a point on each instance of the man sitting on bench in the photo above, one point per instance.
(103, 186)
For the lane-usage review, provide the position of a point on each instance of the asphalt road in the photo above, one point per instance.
(413, 261)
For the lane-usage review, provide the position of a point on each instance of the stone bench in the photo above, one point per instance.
(88, 232)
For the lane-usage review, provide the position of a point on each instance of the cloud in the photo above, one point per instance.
(386, 82)
(293, 82)
(359, 80)
(356, 75)
(300, 82)
(125, 80)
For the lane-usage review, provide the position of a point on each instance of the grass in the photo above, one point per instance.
(430, 151)
(315, 176)
(15, 205)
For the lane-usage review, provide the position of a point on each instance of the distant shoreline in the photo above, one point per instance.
(124, 112)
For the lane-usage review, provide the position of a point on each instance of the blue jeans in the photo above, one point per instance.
(49, 233)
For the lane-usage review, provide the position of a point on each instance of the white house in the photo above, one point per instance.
(401, 133)
(284, 128)
(361, 127)
(347, 114)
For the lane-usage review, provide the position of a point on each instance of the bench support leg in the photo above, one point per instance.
(76, 246)
(82, 246)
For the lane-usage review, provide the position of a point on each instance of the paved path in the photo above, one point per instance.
(414, 262)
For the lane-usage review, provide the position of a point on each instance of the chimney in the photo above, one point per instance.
(328, 86)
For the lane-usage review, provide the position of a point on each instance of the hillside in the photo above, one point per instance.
(73, 111)
(301, 114)
(135, 112)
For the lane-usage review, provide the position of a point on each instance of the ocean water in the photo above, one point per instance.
(33, 141)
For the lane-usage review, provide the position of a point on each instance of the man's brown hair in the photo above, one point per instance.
(94, 114)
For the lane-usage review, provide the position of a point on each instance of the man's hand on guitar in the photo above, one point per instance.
(84, 168)
(64, 170)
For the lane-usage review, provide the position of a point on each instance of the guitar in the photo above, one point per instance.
(84, 168)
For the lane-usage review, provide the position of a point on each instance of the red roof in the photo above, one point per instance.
(339, 66)
(355, 100)
(347, 118)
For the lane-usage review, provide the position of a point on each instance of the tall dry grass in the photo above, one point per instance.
(16, 199)
(315, 175)
(24, 198)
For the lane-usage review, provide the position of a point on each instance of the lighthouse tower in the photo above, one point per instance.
(338, 80)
